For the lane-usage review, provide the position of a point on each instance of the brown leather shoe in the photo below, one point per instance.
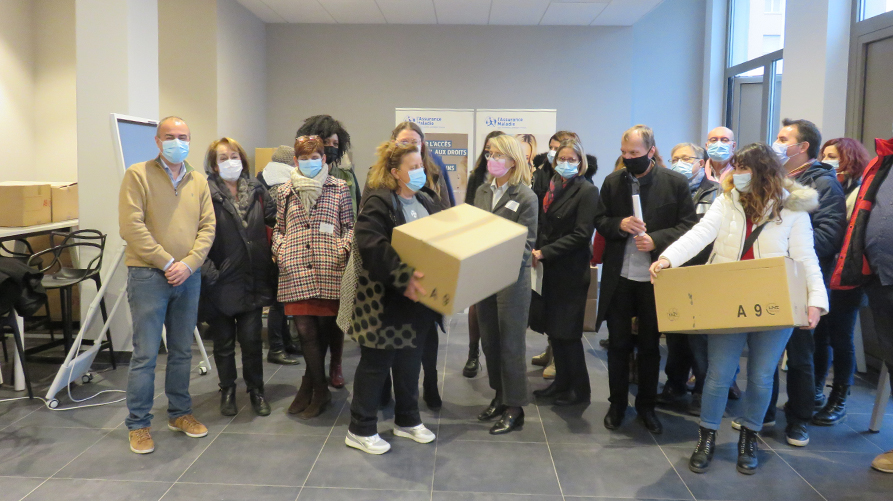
(141, 441)
(336, 378)
(188, 425)
(318, 403)
(302, 399)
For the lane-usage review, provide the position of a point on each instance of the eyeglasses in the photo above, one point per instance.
(683, 159)
(723, 140)
(302, 139)
(408, 142)
(570, 160)
(495, 156)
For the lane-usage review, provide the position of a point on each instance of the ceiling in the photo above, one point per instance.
(494, 12)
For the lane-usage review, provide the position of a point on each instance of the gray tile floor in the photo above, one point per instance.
(560, 453)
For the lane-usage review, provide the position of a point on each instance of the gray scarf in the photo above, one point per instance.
(307, 188)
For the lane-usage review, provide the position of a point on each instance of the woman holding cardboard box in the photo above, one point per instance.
(502, 317)
(385, 317)
(761, 215)
(564, 246)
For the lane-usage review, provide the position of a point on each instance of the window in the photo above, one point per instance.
(754, 68)
(871, 8)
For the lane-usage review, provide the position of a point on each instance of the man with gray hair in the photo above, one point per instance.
(166, 217)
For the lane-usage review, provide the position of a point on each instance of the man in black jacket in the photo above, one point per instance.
(631, 245)
(797, 147)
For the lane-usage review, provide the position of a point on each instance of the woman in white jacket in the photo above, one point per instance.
(759, 199)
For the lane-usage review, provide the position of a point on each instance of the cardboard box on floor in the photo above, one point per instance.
(591, 301)
(24, 204)
(744, 296)
(465, 253)
(64, 201)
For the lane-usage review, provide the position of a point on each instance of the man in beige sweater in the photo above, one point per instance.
(166, 217)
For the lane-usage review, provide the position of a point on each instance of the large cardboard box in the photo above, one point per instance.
(744, 296)
(465, 253)
(262, 156)
(591, 301)
(24, 204)
(64, 201)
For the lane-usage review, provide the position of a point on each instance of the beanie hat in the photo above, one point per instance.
(284, 155)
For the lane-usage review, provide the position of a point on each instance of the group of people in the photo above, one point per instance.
(306, 240)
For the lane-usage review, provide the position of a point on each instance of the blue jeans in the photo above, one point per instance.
(155, 304)
(723, 355)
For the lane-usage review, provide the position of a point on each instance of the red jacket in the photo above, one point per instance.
(852, 268)
(312, 252)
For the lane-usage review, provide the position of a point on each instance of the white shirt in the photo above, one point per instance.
(498, 192)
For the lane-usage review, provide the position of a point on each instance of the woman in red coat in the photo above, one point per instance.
(311, 242)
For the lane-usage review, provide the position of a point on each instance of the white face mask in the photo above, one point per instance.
(551, 156)
(230, 170)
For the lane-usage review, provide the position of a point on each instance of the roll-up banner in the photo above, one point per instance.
(540, 123)
(449, 134)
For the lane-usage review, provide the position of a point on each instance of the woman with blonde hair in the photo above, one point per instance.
(387, 321)
(238, 274)
(760, 215)
(528, 148)
(502, 317)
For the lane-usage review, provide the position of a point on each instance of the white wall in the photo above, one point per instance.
(241, 76)
(16, 90)
(591, 75)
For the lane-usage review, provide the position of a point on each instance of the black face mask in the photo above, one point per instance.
(637, 166)
(332, 156)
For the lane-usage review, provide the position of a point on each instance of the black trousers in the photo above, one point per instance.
(429, 357)
(633, 299)
(277, 328)
(373, 370)
(570, 365)
(247, 328)
(800, 378)
(680, 361)
(880, 299)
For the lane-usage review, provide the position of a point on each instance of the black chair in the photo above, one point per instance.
(8, 322)
(24, 257)
(64, 279)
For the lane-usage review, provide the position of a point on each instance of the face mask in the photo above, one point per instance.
(497, 168)
(417, 179)
(742, 182)
(719, 151)
(551, 156)
(230, 170)
(833, 162)
(781, 151)
(684, 168)
(637, 166)
(174, 150)
(567, 170)
(332, 154)
(311, 167)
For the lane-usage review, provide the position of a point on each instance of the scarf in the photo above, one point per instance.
(695, 182)
(556, 190)
(307, 188)
(243, 197)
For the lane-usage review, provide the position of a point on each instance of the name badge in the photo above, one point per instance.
(327, 228)
(512, 205)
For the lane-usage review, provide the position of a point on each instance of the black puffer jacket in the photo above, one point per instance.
(239, 274)
(829, 220)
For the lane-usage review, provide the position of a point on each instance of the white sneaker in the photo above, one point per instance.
(418, 433)
(370, 445)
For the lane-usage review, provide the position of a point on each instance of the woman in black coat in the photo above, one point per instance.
(238, 274)
(564, 246)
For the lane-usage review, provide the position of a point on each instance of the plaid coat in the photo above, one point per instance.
(312, 252)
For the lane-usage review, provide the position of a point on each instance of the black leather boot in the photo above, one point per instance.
(703, 454)
(431, 395)
(259, 403)
(835, 410)
(473, 364)
(820, 399)
(228, 401)
(747, 452)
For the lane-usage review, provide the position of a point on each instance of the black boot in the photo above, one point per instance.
(431, 395)
(259, 403)
(747, 452)
(700, 458)
(820, 399)
(228, 401)
(835, 410)
(473, 364)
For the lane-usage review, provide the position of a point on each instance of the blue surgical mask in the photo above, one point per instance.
(567, 170)
(742, 182)
(174, 150)
(719, 151)
(833, 162)
(311, 167)
(417, 179)
(684, 168)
